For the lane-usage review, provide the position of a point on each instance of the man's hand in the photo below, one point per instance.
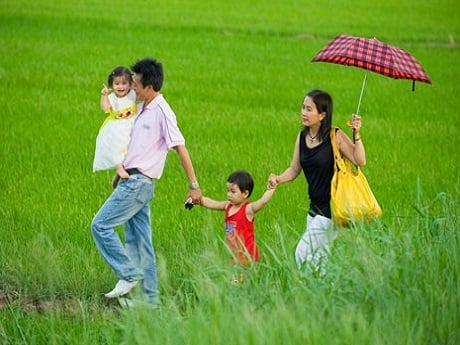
(195, 195)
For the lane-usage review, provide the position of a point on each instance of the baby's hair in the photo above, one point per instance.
(120, 71)
(243, 180)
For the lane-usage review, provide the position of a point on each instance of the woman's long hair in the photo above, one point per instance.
(323, 102)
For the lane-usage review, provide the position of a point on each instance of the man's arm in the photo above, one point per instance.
(194, 187)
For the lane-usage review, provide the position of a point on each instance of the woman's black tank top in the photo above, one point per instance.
(318, 167)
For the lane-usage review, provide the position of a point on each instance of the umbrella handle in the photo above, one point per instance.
(362, 91)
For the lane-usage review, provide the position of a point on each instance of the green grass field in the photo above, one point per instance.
(236, 74)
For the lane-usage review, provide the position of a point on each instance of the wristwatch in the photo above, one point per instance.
(194, 185)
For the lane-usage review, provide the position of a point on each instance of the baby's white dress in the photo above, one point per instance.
(115, 133)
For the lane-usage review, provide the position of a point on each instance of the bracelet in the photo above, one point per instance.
(194, 185)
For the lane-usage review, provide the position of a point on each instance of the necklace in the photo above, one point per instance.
(312, 139)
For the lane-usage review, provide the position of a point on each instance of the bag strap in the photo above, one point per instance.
(339, 163)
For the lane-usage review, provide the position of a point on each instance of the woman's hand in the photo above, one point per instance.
(355, 125)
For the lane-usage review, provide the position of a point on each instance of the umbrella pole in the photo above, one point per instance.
(362, 91)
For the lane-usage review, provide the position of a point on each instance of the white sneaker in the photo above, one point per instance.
(128, 303)
(122, 288)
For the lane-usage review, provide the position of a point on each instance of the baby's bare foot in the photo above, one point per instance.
(122, 173)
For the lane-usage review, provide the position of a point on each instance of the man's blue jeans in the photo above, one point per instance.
(129, 204)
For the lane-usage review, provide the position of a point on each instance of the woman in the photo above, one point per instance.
(314, 156)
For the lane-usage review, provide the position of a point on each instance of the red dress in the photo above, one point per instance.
(239, 231)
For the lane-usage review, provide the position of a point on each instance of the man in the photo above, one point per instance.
(155, 132)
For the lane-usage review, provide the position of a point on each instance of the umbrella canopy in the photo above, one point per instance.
(372, 55)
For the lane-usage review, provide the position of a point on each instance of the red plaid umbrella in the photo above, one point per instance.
(372, 55)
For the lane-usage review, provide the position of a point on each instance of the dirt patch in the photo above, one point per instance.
(7, 297)
(65, 305)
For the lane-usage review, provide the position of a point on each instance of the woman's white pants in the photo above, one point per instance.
(313, 248)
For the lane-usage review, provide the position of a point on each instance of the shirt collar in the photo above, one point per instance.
(153, 103)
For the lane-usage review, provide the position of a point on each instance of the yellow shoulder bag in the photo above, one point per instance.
(352, 199)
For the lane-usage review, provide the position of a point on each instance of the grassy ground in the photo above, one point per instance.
(236, 74)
